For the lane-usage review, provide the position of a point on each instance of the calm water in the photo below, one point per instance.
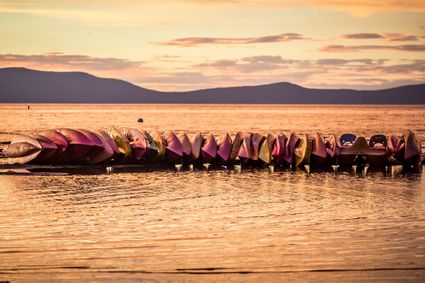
(215, 225)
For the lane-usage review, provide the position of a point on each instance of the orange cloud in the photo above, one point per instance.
(355, 48)
(193, 41)
(386, 36)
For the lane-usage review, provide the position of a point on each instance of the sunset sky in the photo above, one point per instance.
(188, 44)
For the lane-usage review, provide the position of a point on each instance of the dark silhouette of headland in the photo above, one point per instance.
(21, 85)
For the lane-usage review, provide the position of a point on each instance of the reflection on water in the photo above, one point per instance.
(186, 225)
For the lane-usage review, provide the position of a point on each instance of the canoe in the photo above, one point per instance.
(78, 146)
(209, 149)
(196, 144)
(279, 149)
(256, 141)
(291, 144)
(245, 151)
(187, 147)
(138, 143)
(236, 144)
(160, 144)
(318, 152)
(224, 148)
(302, 152)
(174, 149)
(101, 151)
(22, 149)
(123, 144)
(59, 140)
(266, 148)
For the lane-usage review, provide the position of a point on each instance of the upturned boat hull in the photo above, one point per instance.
(224, 149)
(209, 149)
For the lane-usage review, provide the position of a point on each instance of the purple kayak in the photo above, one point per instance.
(224, 148)
(174, 149)
(209, 149)
(78, 146)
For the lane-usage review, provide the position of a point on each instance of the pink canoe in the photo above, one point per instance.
(290, 148)
(174, 149)
(279, 148)
(78, 145)
(196, 144)
(209, 149)
(256, 140)
(245, 151)
(224, 148)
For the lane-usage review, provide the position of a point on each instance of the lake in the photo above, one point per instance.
(217, 225)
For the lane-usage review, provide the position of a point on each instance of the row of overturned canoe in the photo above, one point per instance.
(130, 145)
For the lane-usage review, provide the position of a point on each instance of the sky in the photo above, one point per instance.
(178, 45)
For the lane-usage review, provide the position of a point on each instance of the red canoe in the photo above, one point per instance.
(209, 149)
(174, 149)
(224, 148)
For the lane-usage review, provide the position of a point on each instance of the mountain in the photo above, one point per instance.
(20, 85)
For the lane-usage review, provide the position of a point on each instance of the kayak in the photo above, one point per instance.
(122, 143)
(22, 149)
(160, 144)
(266, 148)
(186, 146)
(291, 144)
(99, 152)
(209, 149)
(318, 152)
(256, 141)
(196, 144)
(302, 152)
(59, 140)
(279, 149)
(138, 143)
(174, 149)
(78, 146)
(109, 141)
(236, 144)
(224, 148)
(333, 148)
(245, 151)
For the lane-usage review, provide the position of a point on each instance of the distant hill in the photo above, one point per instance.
(20, 85)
